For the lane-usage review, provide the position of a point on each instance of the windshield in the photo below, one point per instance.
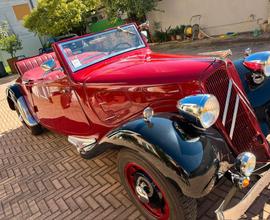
(89, 50)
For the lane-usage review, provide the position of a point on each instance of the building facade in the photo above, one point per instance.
(13, 12)
(217, 16)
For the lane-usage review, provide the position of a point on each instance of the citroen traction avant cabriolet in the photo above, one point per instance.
(181, 123)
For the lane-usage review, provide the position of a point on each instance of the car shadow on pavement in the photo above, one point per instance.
(44, 177)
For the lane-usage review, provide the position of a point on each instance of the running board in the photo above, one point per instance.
(82, 144)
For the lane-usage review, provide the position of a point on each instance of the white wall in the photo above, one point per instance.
(30, 42)
(218, 16)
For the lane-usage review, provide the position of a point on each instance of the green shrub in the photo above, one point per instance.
(9, 42)
(162, 36)
(172, 32)
(180, 30)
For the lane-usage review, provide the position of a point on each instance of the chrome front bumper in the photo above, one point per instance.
(239, 210)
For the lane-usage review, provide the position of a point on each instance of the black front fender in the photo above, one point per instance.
(258, 95)
(190, 159)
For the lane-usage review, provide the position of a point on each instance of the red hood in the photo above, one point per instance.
(144, 68)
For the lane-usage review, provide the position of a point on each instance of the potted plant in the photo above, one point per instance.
(179, 30)
(159, 36)
(10, 43)
(172, 33)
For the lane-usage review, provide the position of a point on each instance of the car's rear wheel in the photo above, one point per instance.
(154, 195)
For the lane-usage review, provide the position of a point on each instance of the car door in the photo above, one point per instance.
(57, 104)
(46, 93)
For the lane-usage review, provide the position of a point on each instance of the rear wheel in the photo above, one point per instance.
(154, 195)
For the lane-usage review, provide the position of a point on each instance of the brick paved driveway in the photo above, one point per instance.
(43, 178)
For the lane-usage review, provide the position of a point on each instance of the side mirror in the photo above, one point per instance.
(145, 35)
(48, 65)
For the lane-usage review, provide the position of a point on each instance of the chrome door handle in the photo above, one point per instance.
(63, 91)
(27, 81)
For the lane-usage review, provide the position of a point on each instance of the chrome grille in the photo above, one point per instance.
(243, 133)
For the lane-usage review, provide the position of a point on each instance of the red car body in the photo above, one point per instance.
(106, 95)
(94, 101)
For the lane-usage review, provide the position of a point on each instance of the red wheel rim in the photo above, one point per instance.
(157, 206)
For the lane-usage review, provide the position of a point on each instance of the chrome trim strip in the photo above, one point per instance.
(25, 113)
(234, 115)
(244, 99)
(227, 103)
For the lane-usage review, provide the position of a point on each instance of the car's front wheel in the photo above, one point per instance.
(154, 195)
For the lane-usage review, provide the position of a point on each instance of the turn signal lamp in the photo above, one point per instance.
(245, 183)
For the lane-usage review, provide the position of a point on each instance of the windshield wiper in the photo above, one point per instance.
(125, 31)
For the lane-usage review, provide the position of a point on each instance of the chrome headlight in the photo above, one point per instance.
(245, 163)
(202, 109)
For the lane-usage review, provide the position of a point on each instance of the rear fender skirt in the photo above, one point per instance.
(17, 102)
(13, 92)
(25, 113)
(191, 160)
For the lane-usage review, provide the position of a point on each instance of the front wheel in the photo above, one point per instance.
(154, 195)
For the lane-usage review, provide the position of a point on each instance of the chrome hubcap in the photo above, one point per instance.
(142, 194)
(144, 189)
(147, 192)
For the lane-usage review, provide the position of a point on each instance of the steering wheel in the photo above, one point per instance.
(117, 45)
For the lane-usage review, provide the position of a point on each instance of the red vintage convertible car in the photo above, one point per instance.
(181, 123)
